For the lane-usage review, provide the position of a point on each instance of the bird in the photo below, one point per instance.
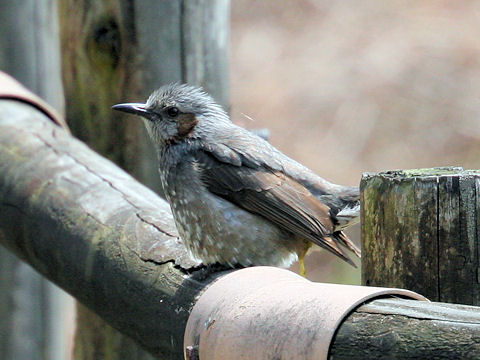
(236, 200)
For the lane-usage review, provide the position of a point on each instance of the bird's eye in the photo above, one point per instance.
(172, 111)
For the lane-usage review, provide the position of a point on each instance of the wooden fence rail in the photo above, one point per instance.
(110, 242)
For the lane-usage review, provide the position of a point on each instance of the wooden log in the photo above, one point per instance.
(420, 232)
(405, 329)
(92, 229)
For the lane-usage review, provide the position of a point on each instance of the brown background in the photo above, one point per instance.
(347, 87)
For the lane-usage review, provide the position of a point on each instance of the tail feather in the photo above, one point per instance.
(347, 216)
(345, 241)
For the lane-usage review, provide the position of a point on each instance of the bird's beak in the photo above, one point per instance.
(132, 108)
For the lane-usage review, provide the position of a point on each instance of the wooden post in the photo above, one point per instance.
(120, 51)
(420, 232)
(32, 310)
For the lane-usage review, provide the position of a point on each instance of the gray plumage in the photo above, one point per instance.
(235, 198)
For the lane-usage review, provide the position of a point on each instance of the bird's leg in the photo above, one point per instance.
(301, 259)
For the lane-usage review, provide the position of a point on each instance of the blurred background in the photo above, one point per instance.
(344, 87)
(347, 87)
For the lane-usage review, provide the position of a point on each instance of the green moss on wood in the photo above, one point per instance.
(401, 174)
(98, 73)
(419, 231)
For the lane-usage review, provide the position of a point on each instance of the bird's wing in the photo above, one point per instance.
(274, 196)
(255, 152)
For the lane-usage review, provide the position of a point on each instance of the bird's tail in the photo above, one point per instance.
(346, 242)
(348, 216)
(336, 243)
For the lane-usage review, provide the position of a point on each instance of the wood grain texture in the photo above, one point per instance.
(92, 229)
(32, 309)
(120, 51)
(419, 231)
(102, 66)
(406, 329)
(205, 41)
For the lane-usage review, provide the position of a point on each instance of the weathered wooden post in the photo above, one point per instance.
(115, 51)
(32, 310)
(420, 232)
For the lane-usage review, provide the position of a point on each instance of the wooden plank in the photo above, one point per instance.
(31, 51)
(426, 245)
(205, 41)
(476, 267)
(457, 236)
(399, 225)
(158, 28)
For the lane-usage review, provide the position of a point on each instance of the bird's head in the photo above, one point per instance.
(177, 112)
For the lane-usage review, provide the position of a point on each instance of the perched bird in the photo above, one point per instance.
(236, 199)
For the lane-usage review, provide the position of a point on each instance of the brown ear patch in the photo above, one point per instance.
(186, 124)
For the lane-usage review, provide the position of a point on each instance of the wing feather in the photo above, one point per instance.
(275, 196)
